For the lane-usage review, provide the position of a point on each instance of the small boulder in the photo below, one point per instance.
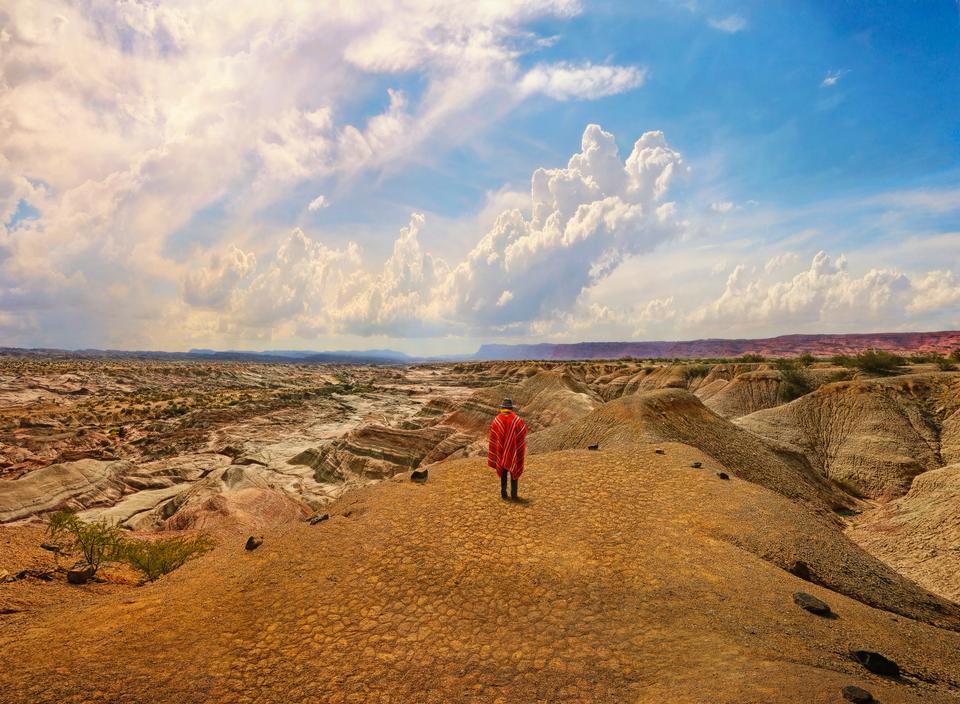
(318, 518)
(723, 475)
(857, 695)
(593, 447)
(50, 547)
(876, 663)
(253, 543)
(660, 451)
(696, 465)
(80, 573)
(810, 603)
(419, 476)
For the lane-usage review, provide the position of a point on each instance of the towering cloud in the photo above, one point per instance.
(582, 221)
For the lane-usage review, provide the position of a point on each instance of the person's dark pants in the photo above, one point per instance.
(503, 485)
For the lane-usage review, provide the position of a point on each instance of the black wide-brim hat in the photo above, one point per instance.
(506, 403)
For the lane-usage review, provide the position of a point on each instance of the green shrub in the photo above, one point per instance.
(155, 558)
(871, 361)
(806, 359)
(695, 371)
(945, 364)
(955, 355)
(97, 541)
(795, 382)
(878, 362)
(751, 358)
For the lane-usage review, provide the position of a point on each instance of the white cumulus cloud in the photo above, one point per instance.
(583, 220)
(563, 81)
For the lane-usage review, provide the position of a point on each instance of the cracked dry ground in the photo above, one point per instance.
(608, 584)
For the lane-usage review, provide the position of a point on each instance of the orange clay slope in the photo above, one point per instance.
(619, 579)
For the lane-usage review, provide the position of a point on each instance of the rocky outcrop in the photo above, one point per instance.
(870, 436)
(919, 533)
(73, 485)
(376, 451)
(674, 415)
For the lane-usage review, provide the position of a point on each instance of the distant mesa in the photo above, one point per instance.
(782, 346)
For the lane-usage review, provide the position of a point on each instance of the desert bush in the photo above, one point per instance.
(871, 361)
(155, 558)
(955, 355)
(945, 364)
(806, 359)
(695, 371)
(97, 541)
(751, 358)
(878, 362)
(795, 382)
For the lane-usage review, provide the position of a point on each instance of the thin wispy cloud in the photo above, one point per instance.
(731, 24)
(832, 78)
(318, 203)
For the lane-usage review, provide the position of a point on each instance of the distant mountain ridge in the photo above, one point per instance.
(784, 345)
(944, 342)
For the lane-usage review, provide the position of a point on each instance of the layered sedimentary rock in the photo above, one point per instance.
(871, 436)
(919, 533)
(376, 451)
(74, 485)
(675, 415)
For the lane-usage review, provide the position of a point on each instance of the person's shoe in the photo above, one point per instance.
(504, 496)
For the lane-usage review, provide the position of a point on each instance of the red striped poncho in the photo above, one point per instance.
(508, 444)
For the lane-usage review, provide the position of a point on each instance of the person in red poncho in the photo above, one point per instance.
(508, 446)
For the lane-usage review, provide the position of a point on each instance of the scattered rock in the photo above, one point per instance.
(696, 465)
(80, 573)
(50, 547)
(876, 663)
(319, 518)
(249, 459)
(230, 451)
(723, 475)
(253, 543)
(593, 447)
(810, 603)
(799, 568)
(10, 610)
(660, 451)
(857, 695)
(419, 476)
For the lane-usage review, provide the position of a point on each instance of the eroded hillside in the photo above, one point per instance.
(631, 547)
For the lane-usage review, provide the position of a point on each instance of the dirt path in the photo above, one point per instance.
(605, 586)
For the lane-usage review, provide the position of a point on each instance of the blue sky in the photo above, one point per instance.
(239, 175)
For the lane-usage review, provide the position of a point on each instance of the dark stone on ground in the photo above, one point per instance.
(593, 447)
(660, 451)
(50, 547)
(80, 573)
(314, 520)
(876, 663)
(812, 604)
(723, 475)
(419, 477)
(253, 543)
(697, 465)
(857, 695)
